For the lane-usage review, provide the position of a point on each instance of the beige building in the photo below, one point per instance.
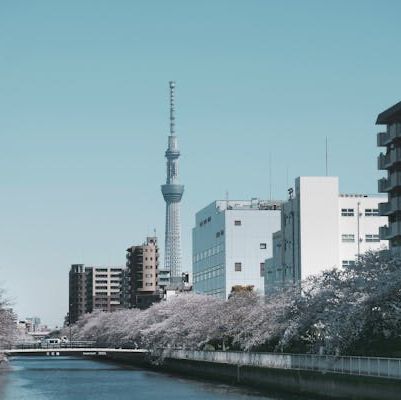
(93, 288)
(143, 270)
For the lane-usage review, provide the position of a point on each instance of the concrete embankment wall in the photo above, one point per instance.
(330, 385)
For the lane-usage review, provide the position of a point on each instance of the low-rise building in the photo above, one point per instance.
(321, 229)
(230, 242)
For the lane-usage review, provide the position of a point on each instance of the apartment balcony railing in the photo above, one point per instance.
(393, 205)
(387, 184)
(385, 161)
(383, 185)
(393, 132)
(389, 232)
(385, 208)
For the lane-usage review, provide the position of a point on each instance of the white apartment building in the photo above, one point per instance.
(322, 229)
(230, 242)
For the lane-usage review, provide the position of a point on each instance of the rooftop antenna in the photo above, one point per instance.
(327, 168)
(226, 198)
(270, 176)
(172, 108)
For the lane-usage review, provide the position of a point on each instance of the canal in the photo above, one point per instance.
(67, 378)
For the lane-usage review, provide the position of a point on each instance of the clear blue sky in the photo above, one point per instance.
(84, 118)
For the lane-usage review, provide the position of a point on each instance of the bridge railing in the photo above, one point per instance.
(62, 345)
(366, 366)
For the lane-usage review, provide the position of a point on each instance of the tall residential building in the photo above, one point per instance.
(230, 242)
(321, 229)
(106, 288)
(172, 192)
(80, 292)
(93, 288)
(143, 270)
(391, 161)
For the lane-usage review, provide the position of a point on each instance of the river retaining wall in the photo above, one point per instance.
(318, 383)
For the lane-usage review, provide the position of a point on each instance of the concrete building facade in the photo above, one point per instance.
(93, 288)
(321, 229)
(391, 162)
(143, 271)
(230, 242)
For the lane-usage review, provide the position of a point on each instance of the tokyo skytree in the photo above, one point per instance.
(172, 193)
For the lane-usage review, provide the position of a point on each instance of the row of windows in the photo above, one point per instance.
(209, 274)
(348, 263)
(369, 238)
(208, 253)
(369, 212)
(205, 221)
(220, 233)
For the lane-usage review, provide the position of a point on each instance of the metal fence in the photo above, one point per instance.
(63, 345)
(366, 366)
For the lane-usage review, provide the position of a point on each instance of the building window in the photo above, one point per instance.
(209, 219)
(348, 238)
(238, 267)
(148, 284)
(237, 222)
(201, 223)
(262, 246)
(262, 269)
(218, 234)
(347, 212)
(221, 232)
(348, 263)
(372, 238)
(371, 212)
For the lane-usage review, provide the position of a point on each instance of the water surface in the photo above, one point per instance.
(68, 378)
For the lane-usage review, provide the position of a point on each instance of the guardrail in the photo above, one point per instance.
(365, 366)
(62, 345)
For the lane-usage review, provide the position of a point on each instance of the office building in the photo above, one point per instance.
(321, 229)
(391, 162)
(230, 242)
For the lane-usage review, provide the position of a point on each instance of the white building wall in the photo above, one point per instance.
(359, 223)
(219, 242)
(321, 229)
(249, 244)
(318, 205)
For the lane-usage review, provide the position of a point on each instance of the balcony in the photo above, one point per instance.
(385, 161)
(383, 139)
(383, 185)
(393, 132)
(385, 208)
(386, 185)
(389, 232)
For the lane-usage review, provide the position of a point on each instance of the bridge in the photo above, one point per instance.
(70, 351)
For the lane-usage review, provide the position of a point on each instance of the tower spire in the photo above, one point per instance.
(172, 192)
(172, 108)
